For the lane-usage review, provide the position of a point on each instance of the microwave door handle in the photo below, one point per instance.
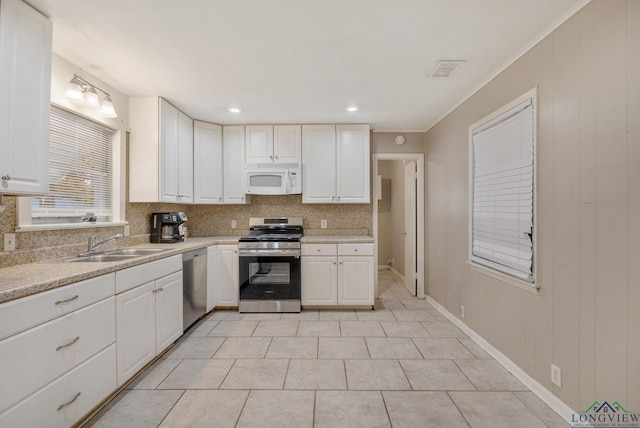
(286, 181)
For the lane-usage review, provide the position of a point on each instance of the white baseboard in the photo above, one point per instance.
(543, 393)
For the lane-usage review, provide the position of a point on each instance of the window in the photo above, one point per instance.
(502, 226)
(80, 172)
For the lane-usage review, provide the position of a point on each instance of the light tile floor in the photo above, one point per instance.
(402, 365)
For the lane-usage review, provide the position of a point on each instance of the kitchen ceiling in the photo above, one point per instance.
(300, 61)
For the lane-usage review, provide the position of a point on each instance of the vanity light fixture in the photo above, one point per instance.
(80, 89)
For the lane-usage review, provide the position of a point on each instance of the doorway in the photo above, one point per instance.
(398, 217)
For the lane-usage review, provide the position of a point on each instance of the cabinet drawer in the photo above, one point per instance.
(126, 279)
(37, 356)
(318, 249)
(54, 406)
(21, 314)
(355, 249)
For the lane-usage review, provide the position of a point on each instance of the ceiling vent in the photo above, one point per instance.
(444, 68)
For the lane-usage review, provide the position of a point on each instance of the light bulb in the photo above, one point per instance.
(91, 97)
(74, 90)
(106, 108)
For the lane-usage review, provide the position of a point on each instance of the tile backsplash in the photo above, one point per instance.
(204, 220)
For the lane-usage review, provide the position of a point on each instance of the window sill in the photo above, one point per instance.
(503, 277)
(67, 226)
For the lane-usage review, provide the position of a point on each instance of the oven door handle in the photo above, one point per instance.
(269, 253)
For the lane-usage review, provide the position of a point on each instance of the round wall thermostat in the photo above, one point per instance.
(399, 139)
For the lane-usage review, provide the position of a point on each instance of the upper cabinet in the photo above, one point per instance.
(207, 163)
(233, 148)
(160, 152)
(335, 164)
(275, 144)
(25, 81)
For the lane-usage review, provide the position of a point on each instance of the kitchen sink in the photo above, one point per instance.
(115, 255)
(136, 251)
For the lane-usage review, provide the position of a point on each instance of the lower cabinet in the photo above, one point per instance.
(148, 320)
(222, 276)
(337, 274)
(61, 367)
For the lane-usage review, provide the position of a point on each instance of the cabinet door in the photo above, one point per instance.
(318, 163)
(135, 330)
(233, 145)
(226, 276)
(25, 81)
(207, 163)
(287, 144)
(169, 152)
(211, 280)
(353, 164)
(168, 310)
(185, 159)
(259, 143)
(355, 281)
(319, 281)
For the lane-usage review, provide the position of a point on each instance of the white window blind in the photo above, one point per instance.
(502, 223)
(80, 170)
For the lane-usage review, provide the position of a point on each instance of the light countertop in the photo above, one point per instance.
(337, 239)
(24, 280)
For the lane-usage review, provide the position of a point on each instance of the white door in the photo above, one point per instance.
(287, 143)
(135, 330)
(233, 147)
(25, 79)
(259, 143)
(207, 163)
(227, 285)
(318, 164)
(169, 149)
(185, 158)
(410, 227)
(319, 280)
(168, 310)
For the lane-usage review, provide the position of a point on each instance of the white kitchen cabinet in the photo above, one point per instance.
(63, 402)
(47, 363)
(207, 163)
(25, 81)
(335, 164)
(277, 144)
(148, 313)
(339, 274)
(225, 285)
(233, 147)
(160, 152)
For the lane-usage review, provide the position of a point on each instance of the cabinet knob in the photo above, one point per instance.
(270, 157)
(220, 199)
(277, 157)
(355, 249)
(6, 177)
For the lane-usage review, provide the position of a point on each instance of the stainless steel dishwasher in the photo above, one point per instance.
(194, 286)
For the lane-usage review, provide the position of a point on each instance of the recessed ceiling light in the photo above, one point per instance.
(352, 108)
(234, 110)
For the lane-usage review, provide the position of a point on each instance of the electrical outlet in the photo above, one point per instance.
(462, 311)
(323, 224)
(234, 224)
(556, 375)
(9, 241)
(126, 230)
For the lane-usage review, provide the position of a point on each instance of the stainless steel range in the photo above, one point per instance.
(270, 265)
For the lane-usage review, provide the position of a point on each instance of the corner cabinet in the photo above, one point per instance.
(25, 82)
(160, 152)
(341, 274)
(336, 164)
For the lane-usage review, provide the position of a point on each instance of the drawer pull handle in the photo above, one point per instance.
(70, 402)
(70, 299)
(68, 344)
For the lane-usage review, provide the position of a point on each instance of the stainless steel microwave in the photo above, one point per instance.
(273, 179)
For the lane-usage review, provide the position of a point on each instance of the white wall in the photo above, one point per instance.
(585, 317)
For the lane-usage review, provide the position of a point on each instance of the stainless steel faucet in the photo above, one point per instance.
(93, 244)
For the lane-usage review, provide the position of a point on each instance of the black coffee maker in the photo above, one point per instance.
(168, 227)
